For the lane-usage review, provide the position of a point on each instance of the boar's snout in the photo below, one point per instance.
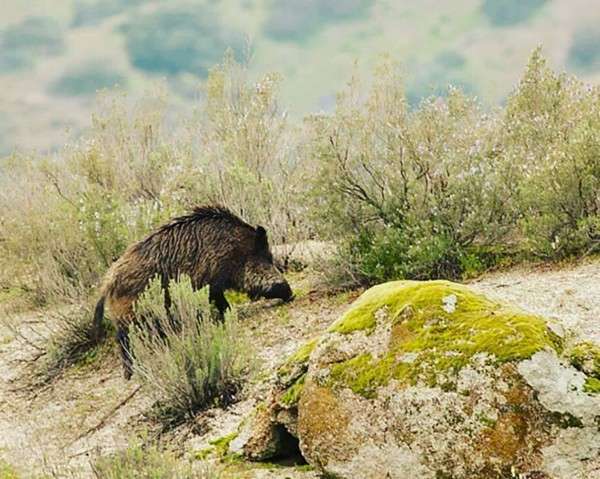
(280, 290)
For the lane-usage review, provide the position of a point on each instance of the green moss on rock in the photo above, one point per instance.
(592, 386)
(302, 354)
(298, 360)
(221, 444)
(291, 395)
(442, 326)
(586, 357)
(364, 374)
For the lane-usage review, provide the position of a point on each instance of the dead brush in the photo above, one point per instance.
(71, 339)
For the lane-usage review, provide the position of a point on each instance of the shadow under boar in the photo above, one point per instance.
(212, 246)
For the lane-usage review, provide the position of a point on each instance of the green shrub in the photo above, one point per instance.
(22, 44)
(87, 79)
(172, 40)
(510, 12)
(412, 191)
(550, 137)
(584, 53)
(449, 189)
(391, 254)
(294, 21)
(188, 359)
(138, 462)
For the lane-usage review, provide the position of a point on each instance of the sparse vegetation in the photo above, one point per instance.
(71, 340)
(187, 358)
(7, 471)
(294, 21)
(91, 12)
(503, 13)
(178, 39)
(23, 43)
(138, 462)
(584, 54)
(87, 79)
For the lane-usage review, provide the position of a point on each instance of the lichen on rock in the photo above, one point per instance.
(433, 379)
(439, 338)
(560, 387)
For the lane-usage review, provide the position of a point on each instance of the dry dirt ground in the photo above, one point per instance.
(57, 430)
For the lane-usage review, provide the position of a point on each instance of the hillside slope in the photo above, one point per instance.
(56, 55)
(91, 410)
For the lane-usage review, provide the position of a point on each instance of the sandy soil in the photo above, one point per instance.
(90, 410)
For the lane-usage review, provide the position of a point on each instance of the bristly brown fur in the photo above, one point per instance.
(201, 213)
(211, 245)
(207, 244)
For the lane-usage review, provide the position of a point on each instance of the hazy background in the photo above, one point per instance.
(55, 54)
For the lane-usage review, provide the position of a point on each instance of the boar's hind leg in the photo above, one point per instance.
(126, 357)
(217, 297)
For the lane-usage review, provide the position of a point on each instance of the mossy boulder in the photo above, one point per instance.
(430, 380)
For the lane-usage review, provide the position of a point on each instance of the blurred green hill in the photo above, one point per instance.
(56, 54)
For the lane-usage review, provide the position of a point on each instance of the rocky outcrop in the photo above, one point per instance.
(431, 380)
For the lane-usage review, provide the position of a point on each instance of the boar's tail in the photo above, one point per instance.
(98, 329)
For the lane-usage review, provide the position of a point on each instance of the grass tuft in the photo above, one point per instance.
(138, 462)
(73, 340)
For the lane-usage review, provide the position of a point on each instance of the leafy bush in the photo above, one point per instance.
(584, 53)
(510, 12)
(87, 79)
(412, 191)
(187, 358)
(25, 42)
(293, 21)
(138, 462)
(172, 40)
(449, 189)
(550, 137)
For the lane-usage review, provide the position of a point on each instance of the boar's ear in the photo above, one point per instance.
(262, 243)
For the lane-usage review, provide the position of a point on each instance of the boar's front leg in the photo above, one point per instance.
(217, 297)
